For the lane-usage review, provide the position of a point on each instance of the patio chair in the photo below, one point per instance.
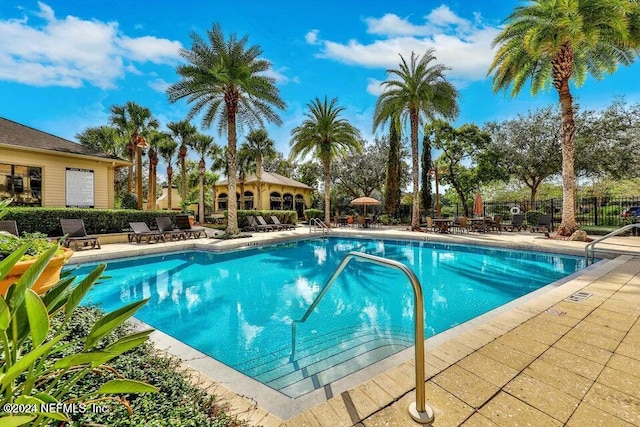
(10, 227)
(496, 224)
(362, 221)
(140, 230)
(517, 223)
(460, 224)
(183, 223)
(543, 225)
(285, 226)
(429, 225)
(76, 234)
(166, 228)
(253, 224)
(264, 223)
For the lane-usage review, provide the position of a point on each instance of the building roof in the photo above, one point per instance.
(271, 178)
(16, 134)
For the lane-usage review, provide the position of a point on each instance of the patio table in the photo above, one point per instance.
(443, 224)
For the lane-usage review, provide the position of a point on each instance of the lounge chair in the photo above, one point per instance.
(543, 225)
(285, 226)
(10, 227)
(76, 234)
(166, 228)
(517, 223)
(183, 223)
(140, 230)
(263, 223)
(253, 225)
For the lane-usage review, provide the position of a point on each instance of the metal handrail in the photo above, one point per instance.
(317, 222)
(590, 248)
(419, 410)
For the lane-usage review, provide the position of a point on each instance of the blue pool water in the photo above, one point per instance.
(237, 307)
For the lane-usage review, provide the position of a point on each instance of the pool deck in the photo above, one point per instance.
(545, 361)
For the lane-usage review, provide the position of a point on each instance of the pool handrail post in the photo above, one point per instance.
(419, 410)
(590, 248)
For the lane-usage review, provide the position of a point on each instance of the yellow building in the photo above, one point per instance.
(40, 169)
(277, 192)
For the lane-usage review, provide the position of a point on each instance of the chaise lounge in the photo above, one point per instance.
(140, 231)
(9, 226)
(183, 224)
(76, 234)
(166, 228)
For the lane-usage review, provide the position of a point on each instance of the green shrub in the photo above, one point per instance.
(596, 230)
(129, 201)
(313, 213)
(96, 221)
(532, 217)
(37, 244)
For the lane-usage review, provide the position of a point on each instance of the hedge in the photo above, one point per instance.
(96, 221)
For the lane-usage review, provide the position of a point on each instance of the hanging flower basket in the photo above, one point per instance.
(49, 277)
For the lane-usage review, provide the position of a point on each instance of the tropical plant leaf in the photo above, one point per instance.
(7, 264)
(28, 279)
(38, 317)
(18, 420)
(57, 293)
(94, 358)
(25, 362)
(82, 288)
(128, 342)
(5, 314)
(110, 321)
(126, 386)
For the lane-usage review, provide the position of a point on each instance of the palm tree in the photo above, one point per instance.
(218, 163)
(201, 144)
(416, 90)
(182, 131)
(167, 150)
(103, 138)
(246, 165)
(554, 42)
(327, 136)
(134, 122)
(260, 146)
(225, 79)
(155, 140)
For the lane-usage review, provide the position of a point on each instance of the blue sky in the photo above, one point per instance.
(64, 63)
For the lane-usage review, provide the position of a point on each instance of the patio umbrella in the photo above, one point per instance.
(477, 205)
(365, 201)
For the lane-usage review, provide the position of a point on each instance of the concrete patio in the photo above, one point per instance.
(544, 361)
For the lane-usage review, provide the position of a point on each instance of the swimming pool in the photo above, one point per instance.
(237, 307)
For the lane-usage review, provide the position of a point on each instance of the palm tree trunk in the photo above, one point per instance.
(568, 225)
(201, 167)
(169, 175)
(415, 214)
(232, 158)
(259, 182)
(183, 172)
(327, 192)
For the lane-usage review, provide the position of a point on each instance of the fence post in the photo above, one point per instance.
(553, 211)
(595, 210)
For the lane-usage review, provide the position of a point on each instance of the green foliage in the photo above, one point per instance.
(532, 217)
(35, 368)
(177, 403)
(96, 221)
(313, 213)
(37, 244)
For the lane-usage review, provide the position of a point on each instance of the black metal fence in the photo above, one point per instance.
(593, 211)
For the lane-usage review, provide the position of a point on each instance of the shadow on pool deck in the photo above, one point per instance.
(547, 362)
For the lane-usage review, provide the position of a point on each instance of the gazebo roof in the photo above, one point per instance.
(270, 178)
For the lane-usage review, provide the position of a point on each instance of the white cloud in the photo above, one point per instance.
(159, 85)
(460, 44)
(374, 87)
(279, 76)
(73, 52)
(312, 37)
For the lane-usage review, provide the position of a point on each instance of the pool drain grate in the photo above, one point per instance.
(578, 297)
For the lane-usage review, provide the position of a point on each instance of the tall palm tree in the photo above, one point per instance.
(261, 147)
(327, 136)
(417, 91)
(134, 122)
(103, 138)
(554, 42)
(182, 131)
(154, 140)
(225, 79)
(201, 144)
(167, 149)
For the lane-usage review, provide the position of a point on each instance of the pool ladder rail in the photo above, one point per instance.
(419, 410)
(590, 249)
(315, 223)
